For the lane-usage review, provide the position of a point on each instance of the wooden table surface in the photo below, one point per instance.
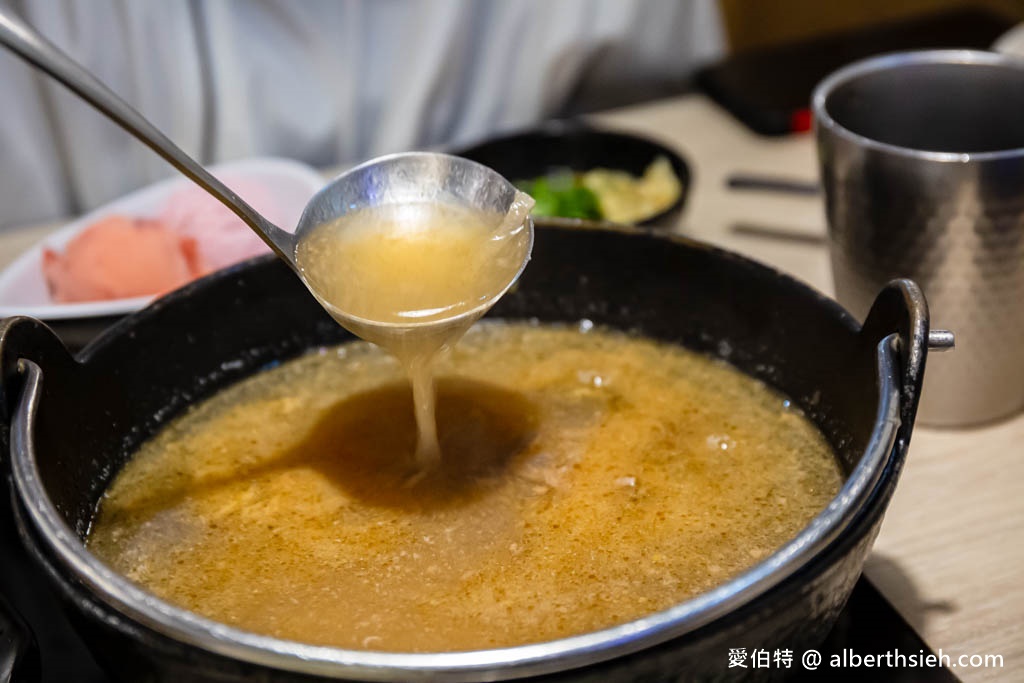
(950, 556)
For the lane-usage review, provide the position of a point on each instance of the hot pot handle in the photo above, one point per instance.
(29, 339)
(901, 308)
(26, 339)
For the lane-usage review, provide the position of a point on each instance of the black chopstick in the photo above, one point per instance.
(763, 183)
(771, 232)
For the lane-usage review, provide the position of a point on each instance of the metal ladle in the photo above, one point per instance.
(412, 177)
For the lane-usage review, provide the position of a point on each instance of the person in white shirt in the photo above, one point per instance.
(326, 82)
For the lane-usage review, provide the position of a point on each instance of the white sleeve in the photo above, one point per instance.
(68, 156)
(32, 183)
(332, 82)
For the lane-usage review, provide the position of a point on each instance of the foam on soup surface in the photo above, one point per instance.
(585, 480)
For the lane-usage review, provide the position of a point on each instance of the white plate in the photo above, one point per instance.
(23, 289)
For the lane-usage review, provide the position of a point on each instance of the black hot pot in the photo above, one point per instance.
(71, 423)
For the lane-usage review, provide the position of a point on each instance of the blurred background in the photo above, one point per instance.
(330, 83)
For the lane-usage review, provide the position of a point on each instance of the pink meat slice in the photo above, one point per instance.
(121, 257)
(221, 237)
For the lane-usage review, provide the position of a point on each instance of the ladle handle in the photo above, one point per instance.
(24, 41)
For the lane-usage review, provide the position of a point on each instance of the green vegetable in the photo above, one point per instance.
(563, 196)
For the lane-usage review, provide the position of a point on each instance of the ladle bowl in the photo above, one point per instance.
(411, 178)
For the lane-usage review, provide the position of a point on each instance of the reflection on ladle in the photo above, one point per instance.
(410, 249)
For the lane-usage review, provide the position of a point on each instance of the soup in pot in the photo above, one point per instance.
(587, 478)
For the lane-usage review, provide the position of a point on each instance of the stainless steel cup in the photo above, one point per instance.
(922, 161)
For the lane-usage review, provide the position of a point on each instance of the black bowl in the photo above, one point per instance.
(71, 422)
(558, 145)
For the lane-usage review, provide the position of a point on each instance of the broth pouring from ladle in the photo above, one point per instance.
(413, 276)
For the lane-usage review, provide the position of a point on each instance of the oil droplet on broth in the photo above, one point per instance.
(412, 278)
